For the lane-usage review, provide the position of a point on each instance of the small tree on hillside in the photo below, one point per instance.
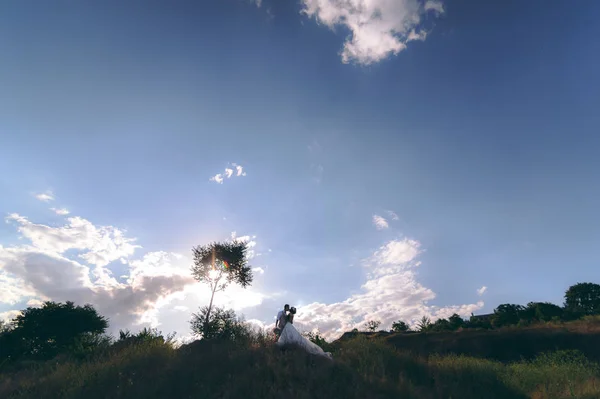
(373, 325)
(583, 298)
(400, 326)
(218, 265)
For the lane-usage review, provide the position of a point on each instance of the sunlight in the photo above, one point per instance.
(213, 274)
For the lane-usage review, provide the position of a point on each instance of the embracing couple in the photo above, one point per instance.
(283, 317)
(288, 335)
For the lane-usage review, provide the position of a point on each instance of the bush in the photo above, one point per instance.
(373, 325)
(223, 324)
(400, 326)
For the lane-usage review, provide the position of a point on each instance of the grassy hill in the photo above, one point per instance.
(432, 365)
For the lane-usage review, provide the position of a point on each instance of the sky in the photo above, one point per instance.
(383, 160)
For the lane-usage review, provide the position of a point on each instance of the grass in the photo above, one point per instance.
(362, 368)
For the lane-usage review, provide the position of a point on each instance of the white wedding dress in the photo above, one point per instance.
(291, 336)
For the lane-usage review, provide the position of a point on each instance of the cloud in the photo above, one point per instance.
(436, 6)
(60, 211)
(392, 215)
(229, 173)
(380, 222)
(250, 243)
(34, 302)
(378, 28)
(42, 270)
(240, 170)
(391, 292)
(259, 270)
(8, 316)
(45, 197)
(79, 261)
(217, 178)
(481, 290)
(99, 245)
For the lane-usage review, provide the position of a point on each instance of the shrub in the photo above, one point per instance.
(400, 326)
(373, 325)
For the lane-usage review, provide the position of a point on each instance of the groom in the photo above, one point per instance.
(282, 318)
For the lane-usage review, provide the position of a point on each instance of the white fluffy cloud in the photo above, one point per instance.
(390, 293)
(219, 178)
(99, 245)
(380, 222)
(60, 211)
(7, 316)
(76, 261)
(481, 290)
(378, 28)
(45, 197)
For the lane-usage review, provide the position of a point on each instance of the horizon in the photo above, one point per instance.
(387, 161)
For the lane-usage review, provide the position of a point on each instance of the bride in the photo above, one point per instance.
(291, 336)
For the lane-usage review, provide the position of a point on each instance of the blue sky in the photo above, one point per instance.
(472, 122)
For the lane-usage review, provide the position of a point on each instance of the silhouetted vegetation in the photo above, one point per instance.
(222, 324)
(540, 350)
(583, 299)
(373, 325)
(53, 328)
(400, 326)
(218, 265)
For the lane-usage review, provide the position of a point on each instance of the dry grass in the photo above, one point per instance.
(362, 368)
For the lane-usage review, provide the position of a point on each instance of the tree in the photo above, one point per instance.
(484, 322)
(441, 325)
(222, 324)
(373, 325)
(456, 322)
(46, 331)
(424, 324)
(583, 299)
(507, 314)
(400, 326)
(218, 265)
(542, 311)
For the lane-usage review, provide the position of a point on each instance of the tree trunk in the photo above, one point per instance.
(206, 322)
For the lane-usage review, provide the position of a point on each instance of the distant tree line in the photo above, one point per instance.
(581, 299)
